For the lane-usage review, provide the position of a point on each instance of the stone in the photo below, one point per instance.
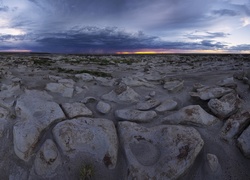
(67, 82)
(60, 88)
(173, 85)
(213, 162)
(3, 123)
(92, 136)
(207, 93)
(160, 152)
(3, 113)
(54, 78)
(228, 82)
(239, 75)
(166, 105)
(122, 95)
(235, 125)
(35, 111)
(47, 160)
(88, 99)
(76, 109)
(149, 104)
(85, 77)
(152, 94)
(192, 114)
(243, 142)
(135, 115)
(103, 107)
(225, 106)
(136, 81)
(11, 90)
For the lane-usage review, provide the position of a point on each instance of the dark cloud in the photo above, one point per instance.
(241, 47)
(4, 8)
(207, 35)
(225, 12)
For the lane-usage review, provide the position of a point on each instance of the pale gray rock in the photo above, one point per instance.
(67, 82)
(63, 89)
(225, 106)
(35, 111)
(207, 93)
(11, 90)
(161, 152)
(135, 115)
(213, 162)
(85, 77)
(122, 95)
(149, 104)
(76, 109)
(108, 82)
(173, 85)
(228, 82)
(235, 125)
(243, 142)
(54, 78)
(3, 123)
(103, 107)
(135, 81)
(152, 94)
(166, 105)
(47, 160)
(95, 137)
(192, 114)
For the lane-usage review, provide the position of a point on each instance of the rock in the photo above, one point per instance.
(173, 85)
(213, 162)
(36, 111)
(60, 88)
(47, 160)
(54, 78)
(88, 100)
(225, 106)
(3, 113)
(135, 115)
(207, 93)
(7, 91)
(149, 104)
(122, 95)
(106, 81)
(85, 77)
(228, 82)
(235, 125)
(152, 94)
(76, 109)
(95, 137)
(135, 81)
(103, 107)
(166, 105)
(67, 82)
(239, 75)
(243, 142)
(3, 122)
(161, 152)
(192, 114)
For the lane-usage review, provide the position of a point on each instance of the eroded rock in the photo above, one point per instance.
(166, 105)
(76, 109)
(173, 85)
(243, 142)
(149, 104)
(103, 107)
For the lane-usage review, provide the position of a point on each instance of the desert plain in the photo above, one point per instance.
(166, 116)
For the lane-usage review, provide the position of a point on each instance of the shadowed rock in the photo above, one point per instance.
(243, 142)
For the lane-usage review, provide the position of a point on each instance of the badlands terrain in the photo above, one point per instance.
(120, 117)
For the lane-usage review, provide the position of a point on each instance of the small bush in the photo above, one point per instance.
(86, 172)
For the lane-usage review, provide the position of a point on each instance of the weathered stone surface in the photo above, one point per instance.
(36, 111)
(136, 81)
(228, 82)
(96, 137)
(225, 106)
(89, 100)
(103, 107)
(161, 152)
(173, 85)
(47, 160)
(235, 125)
(213, 162)
(123, 94)
(2, 126)
(3, 113)
(76, 109)
(149, 104)
(135, 115)
(7, 91)
(60, 88)
(54, 78)
(166, 105)
(192, 114)
(207, 93)
(85, 77)
(243, 142)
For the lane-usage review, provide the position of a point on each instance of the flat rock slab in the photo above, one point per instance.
(36, 111)
(85, 77)
(228, 82)
(225, 106)
(96, 137)
(192, 114)
(166, 105)
(135, 115)
(235, 125)
(161, 152)
(243, 142)
(76, 109)
(173, 85)
(149, 104)
(207, 93)
(60, 88)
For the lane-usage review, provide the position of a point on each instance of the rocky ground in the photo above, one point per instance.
(124, 117)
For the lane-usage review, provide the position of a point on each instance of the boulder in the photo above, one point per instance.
(160, 152)
(243, 142)
(76, 109)
(166, 105)
(95, 137)
(207, 93)
(149, 104)
(47, 160)
(103, 107)
(213, 163)
(173, 85)
(225, 106)
(235, 125)
(35, 111)
(192, 114)
(135, 115)
(9, 90)
(228, 82)
(63, 89)
(136, 81)
(85, 77)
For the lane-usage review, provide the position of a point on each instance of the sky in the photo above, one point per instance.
(125, 26)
